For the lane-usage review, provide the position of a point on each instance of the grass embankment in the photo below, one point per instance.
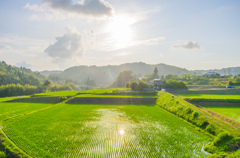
(226, 137)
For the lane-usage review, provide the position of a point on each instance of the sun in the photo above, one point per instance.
(120, 31)
(121, 132)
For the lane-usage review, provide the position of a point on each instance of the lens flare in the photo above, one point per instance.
(121, 132)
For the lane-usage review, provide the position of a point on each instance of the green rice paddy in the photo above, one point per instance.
(232, 112)
(209, 96)
(60, 93)
(12, 109)
(116, 96)
(79, 130)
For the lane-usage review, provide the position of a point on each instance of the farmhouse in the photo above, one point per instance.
(158, 83)
(209, 74)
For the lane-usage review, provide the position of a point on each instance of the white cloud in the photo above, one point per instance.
(15, 49)
(109, 45)
(34, 7)
(42, 12)
(66, 48)
(23, 64)
(148, 42)
(187, 45)
(96, 8)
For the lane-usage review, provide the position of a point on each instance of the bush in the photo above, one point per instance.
(195, 115)
(62, 98)
(188, 111)
(17, 89)
(127, 85)
(222, 137)
(211, 129)
(133, 85)
(173, 84)
(2, 154)
(201, 122)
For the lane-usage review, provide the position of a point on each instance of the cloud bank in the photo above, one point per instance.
(187, 45)
(66, 47)
(96, 8)
(23, 64)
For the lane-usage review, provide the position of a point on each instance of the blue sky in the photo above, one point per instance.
(57, 34)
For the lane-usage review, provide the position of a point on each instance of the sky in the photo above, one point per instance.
(58, 34)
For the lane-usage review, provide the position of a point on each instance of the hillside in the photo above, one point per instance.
(105, 75)
(48, 73)
(223, 71)
(14, 75)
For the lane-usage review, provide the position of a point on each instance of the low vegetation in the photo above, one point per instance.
(78, 130)
(221, 144)
(232, 112)
(106, 128)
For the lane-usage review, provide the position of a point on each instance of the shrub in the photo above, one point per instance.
(127, 85)
(188, 111)
(221, 137)
(62, 98)
(2, 154)
(133, 85)
(211, 129)
(195, 115)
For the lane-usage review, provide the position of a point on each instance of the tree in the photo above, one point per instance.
(134, 85)
(230, 83)
(174, 84)
(237, 81)
(47, 83)
(127, 85)
(171, 76)
(90, 82)
(122, 79)
(141, 85)
(155, 71)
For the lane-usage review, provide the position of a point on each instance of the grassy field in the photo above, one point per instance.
(10, 109)
(117, 96)
(73, 130)
(60, 93)
(235, 91)
(232, 112)
(209, 96)
(120, 123)
(7, 99)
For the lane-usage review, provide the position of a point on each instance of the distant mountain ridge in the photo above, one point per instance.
(48, 73)
(223, 71)
(105, 75)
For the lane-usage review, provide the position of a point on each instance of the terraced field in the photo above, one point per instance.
(76, 130)
(209, 96)
(93, 130)
(232, 112)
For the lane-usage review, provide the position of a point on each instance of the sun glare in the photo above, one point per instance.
(121, 132)
(120, 30)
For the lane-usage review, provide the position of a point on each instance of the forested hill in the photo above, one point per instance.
(105, 75)
(14, 75)
(223, 71)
